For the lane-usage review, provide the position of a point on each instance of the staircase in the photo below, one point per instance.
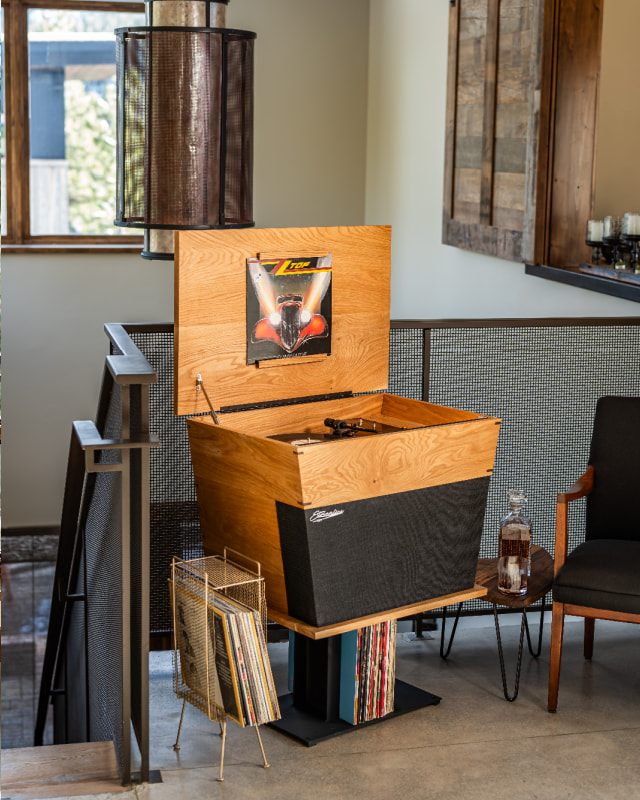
(63, 770)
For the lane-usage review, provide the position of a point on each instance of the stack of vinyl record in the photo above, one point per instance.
(242, 663)
(221, 660)
(367, 668)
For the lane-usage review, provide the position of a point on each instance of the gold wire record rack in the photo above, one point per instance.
(221, 664)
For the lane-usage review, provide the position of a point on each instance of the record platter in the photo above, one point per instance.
(340, 429)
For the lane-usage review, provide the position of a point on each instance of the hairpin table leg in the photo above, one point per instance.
(539, 650)
(507, 696)
(444, 654)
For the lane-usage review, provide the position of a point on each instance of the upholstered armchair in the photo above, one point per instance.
(600, 578)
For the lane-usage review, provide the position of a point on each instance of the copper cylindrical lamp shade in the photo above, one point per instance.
(185, 128)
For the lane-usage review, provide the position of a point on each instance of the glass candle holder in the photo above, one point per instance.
(595, 231)
(595, 237)
(612, 227)
(631, 224)
(613, 238)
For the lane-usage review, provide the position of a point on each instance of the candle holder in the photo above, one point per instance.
(633, 240)
(596, 251)
(631, 235)
(595, 230)
(614, 244)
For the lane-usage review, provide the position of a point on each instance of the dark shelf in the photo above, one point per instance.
(310, 729)
(595, 279)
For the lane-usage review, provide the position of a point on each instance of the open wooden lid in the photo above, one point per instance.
(211, 327)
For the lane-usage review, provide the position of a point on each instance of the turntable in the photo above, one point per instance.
(340, 428)
(355, 501)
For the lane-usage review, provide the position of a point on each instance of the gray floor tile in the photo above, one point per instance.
(472, 745)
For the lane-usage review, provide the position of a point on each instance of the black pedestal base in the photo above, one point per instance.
(309, 729)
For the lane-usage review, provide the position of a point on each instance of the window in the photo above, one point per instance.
(59, 122)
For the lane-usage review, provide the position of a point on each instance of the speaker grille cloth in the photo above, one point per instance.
(382, 552)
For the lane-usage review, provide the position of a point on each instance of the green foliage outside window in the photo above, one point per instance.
(90, 124)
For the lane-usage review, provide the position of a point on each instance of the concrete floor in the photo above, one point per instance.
(472, 745)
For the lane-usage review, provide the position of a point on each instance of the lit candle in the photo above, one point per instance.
(595, 230)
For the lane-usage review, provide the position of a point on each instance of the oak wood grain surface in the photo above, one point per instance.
(210, 315)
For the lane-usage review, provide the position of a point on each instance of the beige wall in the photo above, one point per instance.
(618, 151)
(350, 109)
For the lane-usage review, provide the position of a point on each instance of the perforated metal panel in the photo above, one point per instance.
(104, 605)
(174, 523)
(406, 362)
(543, 382)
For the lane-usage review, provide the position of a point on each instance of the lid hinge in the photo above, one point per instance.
(291, 401)
(201, 387)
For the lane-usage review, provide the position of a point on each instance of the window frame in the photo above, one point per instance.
(18, 237)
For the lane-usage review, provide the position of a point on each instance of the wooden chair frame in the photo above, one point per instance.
(581, 488)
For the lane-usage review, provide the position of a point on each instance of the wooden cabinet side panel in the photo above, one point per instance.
(232, 517)
(376, 466)
(418, 412)
(247, 463)
(302, 418)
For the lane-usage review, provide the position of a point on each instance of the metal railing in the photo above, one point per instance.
(542, 377)
(96, 663)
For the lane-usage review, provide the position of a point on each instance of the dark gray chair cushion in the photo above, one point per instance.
(612, 508)
(601, 574)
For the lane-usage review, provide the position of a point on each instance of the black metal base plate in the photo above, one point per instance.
(309, 729)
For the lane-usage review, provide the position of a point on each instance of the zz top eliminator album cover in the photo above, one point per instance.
(288, 307)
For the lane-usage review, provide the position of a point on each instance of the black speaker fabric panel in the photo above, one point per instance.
(373, 555)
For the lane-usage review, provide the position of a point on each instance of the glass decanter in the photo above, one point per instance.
(514, 546)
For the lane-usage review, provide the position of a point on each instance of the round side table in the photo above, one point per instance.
(538, 585)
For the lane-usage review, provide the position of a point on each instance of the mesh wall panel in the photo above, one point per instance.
(74, 727)
(172, 164)
(174, 523)
(103, 554)
(406, 359)
(543, 382)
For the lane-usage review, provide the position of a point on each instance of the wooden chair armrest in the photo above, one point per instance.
(580, 488)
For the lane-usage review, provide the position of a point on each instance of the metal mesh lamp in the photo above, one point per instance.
(185, 123)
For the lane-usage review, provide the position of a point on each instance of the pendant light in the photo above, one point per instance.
(185, 123)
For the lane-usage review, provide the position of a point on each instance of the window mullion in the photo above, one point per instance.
(16, 121)
(21, 230)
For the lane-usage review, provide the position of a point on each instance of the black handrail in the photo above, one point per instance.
(127, 368)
